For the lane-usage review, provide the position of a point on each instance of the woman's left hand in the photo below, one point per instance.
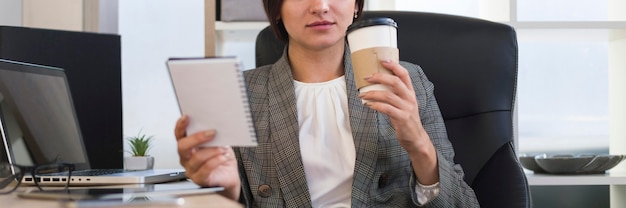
(401, 105)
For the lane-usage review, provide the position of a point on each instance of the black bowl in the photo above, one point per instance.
(563, 164)
(596, 165)
(611, 162)
(570, 164)
(529, 162)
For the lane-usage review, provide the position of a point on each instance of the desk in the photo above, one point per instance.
(199, 201)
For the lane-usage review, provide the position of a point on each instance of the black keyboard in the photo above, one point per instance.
(96, 172)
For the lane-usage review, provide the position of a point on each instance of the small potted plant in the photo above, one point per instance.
(139, 147)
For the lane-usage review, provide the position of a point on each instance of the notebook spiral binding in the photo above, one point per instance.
(246, 105)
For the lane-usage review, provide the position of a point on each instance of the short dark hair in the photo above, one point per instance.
(272, 10)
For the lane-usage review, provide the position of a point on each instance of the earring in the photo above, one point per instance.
(356, 14)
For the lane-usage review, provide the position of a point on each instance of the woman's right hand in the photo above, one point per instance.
(207, 166)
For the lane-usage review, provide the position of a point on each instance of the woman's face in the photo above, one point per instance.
(317, 24)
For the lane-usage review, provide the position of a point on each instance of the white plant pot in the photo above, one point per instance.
(138, 163)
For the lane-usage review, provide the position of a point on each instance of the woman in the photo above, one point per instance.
(319, 145)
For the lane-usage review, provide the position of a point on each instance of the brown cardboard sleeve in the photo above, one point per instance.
(366, 62)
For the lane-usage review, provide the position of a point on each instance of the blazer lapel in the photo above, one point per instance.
(285, 135)
(365, 131)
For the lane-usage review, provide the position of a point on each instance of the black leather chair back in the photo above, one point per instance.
(473, 65)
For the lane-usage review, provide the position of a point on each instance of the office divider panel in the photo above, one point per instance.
(92, 62)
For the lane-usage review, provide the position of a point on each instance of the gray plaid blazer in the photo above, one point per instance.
(273, 175)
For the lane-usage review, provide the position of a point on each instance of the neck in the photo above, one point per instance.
(310, 65)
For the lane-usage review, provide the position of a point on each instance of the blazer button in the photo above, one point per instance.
(265, 191)
(382, 181)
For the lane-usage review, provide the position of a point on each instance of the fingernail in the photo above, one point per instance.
(387, 61)
(209, 133)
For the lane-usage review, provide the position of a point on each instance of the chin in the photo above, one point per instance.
(327, 43)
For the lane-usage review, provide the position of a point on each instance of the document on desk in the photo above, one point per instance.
(212, 92)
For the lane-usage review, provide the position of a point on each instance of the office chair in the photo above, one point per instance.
(473, 65)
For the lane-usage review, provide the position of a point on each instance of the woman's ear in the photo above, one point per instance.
(278, 19)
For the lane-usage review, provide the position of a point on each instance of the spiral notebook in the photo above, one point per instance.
(212, 92)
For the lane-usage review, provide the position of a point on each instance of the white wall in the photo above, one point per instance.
(152, 31)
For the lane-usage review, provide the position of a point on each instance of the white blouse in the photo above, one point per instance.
(327, 145)
(326, 142)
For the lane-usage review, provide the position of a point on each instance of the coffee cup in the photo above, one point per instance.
(372, 41)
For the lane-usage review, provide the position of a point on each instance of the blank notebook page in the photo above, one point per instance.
(212, 92)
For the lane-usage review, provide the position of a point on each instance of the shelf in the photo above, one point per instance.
(615, 25)
(568, 25)
(257, 25)
(219, 25)
(617, 178)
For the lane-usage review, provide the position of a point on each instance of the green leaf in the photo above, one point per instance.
(140, 144)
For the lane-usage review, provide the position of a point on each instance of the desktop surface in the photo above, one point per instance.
(199, 200)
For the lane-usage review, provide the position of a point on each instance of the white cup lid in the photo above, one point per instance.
(372, 22)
